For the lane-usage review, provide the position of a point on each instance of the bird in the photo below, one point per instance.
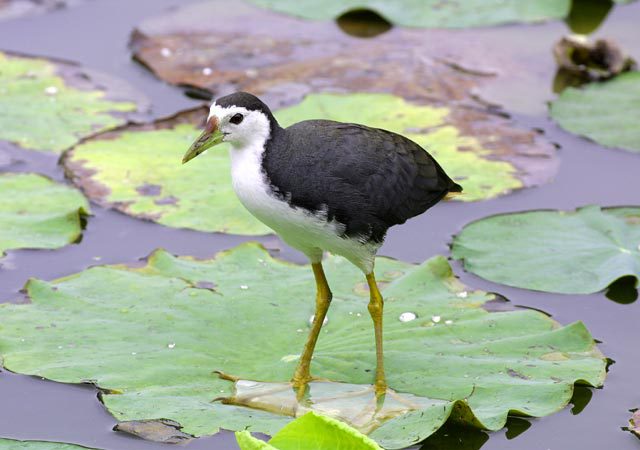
(325, 186)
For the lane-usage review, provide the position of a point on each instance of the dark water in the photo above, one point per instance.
(96, 35)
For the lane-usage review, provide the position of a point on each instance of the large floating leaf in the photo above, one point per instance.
(137, 169)
(568, 252)
(315, 432)
(150, 337)
(35, 212)
(605, 112)
(50, 104)
(11, 444)
(430, 13)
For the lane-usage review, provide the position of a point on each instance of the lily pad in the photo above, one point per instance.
(137, 169)
(430, 13)
(49, 105)
(11, 444)
(604, 112)
(315, 432)
(577, 252)
(36, 212)
(149, 337)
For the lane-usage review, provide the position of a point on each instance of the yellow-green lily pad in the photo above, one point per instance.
(36, 212)
(567, 252)
(49, 105)
(149, 338)
(314, 431)
(137, 169)
(429, 13)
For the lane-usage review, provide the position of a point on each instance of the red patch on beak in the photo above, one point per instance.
(212, 125)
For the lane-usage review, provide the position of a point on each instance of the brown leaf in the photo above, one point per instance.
(158, 430)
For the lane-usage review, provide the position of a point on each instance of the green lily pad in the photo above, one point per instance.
(36, 212)
(49, 105)
(11, 444)
(604, 112)
(150, 336)
(315, 432)
(137, 169)
(429, 13)
(577, 252)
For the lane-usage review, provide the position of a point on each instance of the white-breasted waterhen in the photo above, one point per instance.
(325, 186)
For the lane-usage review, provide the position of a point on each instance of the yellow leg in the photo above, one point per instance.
(302, 374)
(375, 309)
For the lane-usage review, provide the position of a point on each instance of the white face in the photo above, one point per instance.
(240, 126)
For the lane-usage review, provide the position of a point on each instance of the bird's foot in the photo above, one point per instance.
(364, 407)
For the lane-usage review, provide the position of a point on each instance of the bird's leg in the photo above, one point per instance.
(375, 309)
(302, 374)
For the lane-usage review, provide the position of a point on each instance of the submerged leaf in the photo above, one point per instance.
(150, 338)
(137, 169)
(430, 13)
(604, 112)
(158, 430)
(50, 105)
(11, 9)
(36, 212)
(577, 252)
(315, 432)
(12, 444)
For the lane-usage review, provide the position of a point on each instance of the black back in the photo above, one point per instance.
(367, 178)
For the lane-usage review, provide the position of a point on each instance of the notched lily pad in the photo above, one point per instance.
(12, 444)
(429, 13)
(137, 169)
(604, 112)
(49, 105)
(38, 213)
(158, 430)
(577, 252)
(150, 341)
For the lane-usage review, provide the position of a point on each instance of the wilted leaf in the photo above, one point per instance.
(137, 169)
(11, 444)
(35, 212)
(159, 430)
(50, 104)
(149, 337)
(577, 252)
(314, 432)
(11, 9)
(605, 112)
(430, 13)
(634, 423)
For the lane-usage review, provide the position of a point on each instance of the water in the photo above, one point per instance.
(96, 34)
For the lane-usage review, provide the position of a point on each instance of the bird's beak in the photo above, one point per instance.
(210, 136)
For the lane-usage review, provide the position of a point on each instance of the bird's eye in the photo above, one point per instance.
(236, 119)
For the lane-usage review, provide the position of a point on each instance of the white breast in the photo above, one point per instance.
(310, 233)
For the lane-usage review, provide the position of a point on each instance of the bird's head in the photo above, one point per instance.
(241, 119)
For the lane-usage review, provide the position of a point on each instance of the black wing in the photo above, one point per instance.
(368, 179)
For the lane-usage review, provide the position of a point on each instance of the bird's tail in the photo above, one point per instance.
(454, 191)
